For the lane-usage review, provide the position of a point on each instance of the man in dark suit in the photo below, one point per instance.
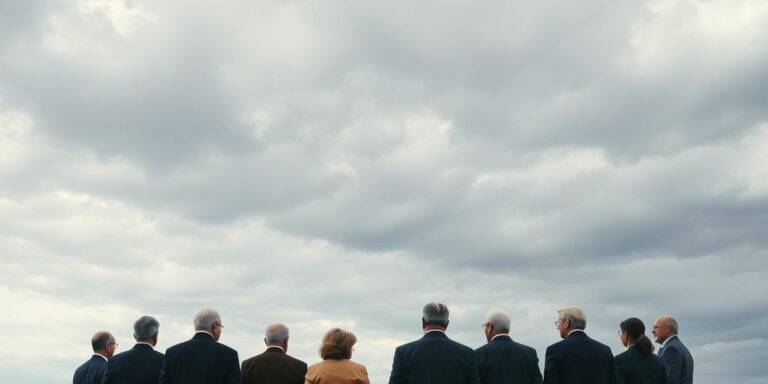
(577, 359)
(274, 366)
(141, 364)
(433, 359)
(678, 362)
(502, 360)
(202, 360)
(92, 371)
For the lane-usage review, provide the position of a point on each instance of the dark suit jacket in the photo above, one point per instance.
(634, 368)
(505, 361)
(577, 359)
(433, 359)
(273, 367)
(91, 372)
(138, 365)
(677, 361)
(200, 360)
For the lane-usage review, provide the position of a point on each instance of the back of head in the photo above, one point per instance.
(635, 330)
(671, 322)
(100, 340)
(205, 318)
(499, 319)
(276, 334)
(435, 314)
(337, 344)
(145, 328)
(575, 316)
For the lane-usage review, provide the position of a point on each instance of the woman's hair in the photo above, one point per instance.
(635, 330)
(337, 344)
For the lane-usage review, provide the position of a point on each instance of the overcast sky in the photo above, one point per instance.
(342, 163)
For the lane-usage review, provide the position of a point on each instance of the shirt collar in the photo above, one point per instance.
(276, 346)
(500, 334)
(664, 344)
(204, 332)
(102, 356)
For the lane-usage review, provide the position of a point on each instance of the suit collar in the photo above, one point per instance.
(669, 339)
(577, 334)
(274, 349)
(435, 334)
(143, 346)
(500, 338)
(99, 356)
(202, 335)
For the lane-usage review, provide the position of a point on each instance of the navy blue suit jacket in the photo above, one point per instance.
(504, 361)
(677, 361)
(433, 359)
(634, 368)
(91, 372)
(578, 359)
(138, 365)
(201, 360)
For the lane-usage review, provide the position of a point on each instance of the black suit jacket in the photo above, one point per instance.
(634, 368)
(273, 367)
(577, 359)
(677, 361)
(91, 372)
(504, 361)
(138, 365)
(200, 360)
(433, 359)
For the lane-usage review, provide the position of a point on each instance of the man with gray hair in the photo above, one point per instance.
(92, 371)
(141, 364)
(202, 360)
(678, 362)
(503, 360)
(274, 366)
(577, 359)
(433, 359)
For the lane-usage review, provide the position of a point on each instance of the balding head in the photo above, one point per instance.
(664, 327)
(103, 343)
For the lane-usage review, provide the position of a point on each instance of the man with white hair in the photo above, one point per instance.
(140, 364)
(202, 360)
(274, 366)
(678, 362)
(503, 360)
(433, 359)
(577, 359)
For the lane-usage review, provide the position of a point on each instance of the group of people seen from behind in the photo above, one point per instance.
(432, 359)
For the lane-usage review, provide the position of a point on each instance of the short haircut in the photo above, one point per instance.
(671, 322)
(435, 314)
(145, 328)
(575, 315)
(100, 340)
(499, 319)
(337, 344)
(205, 319)
(276, 333)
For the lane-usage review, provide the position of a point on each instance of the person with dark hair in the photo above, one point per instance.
(92, 371)
(433, 359)
(274, 366)
(140, 364)
(638, 364)
(336, 367)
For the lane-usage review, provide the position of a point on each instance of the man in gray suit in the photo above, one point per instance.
(678, 362)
